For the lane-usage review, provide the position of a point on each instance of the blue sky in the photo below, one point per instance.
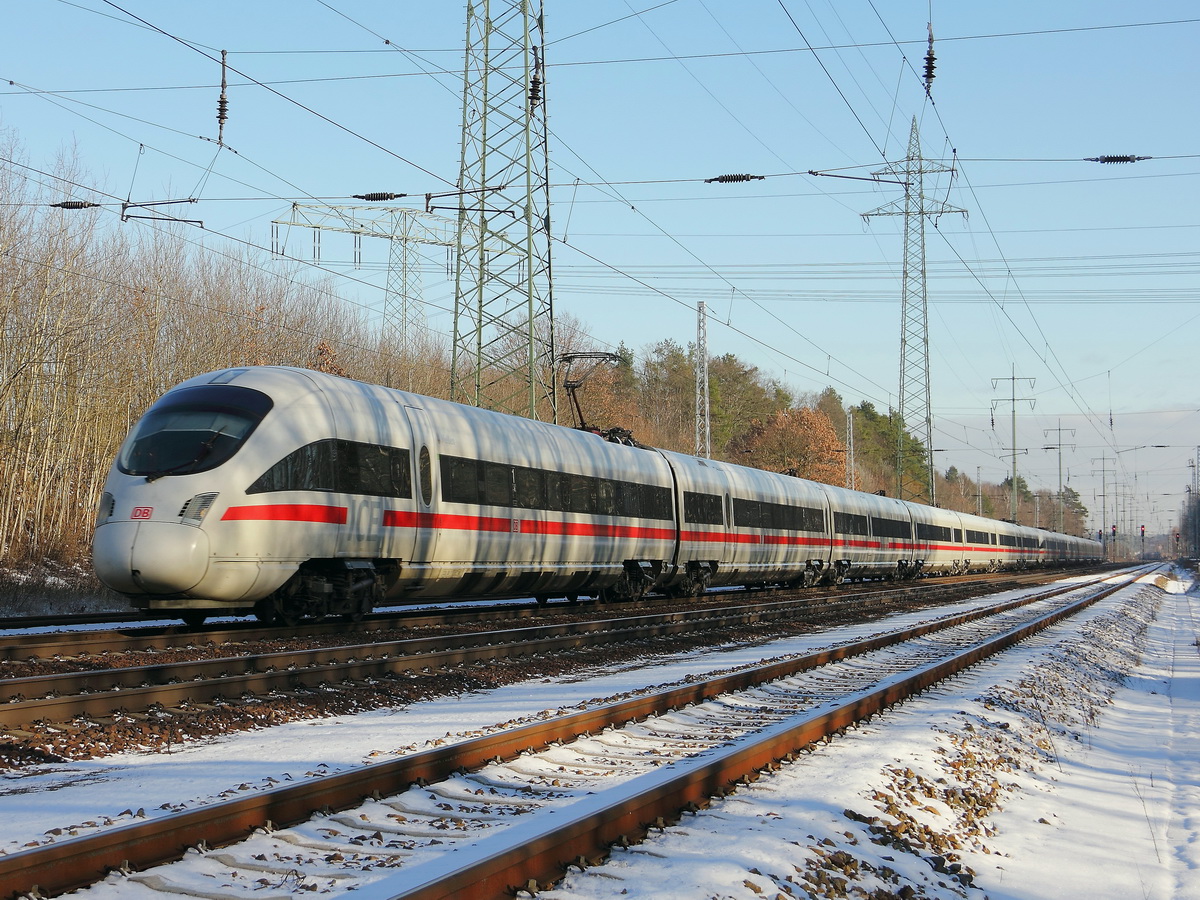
(1078, 275)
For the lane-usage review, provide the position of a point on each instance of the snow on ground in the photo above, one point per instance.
(1025, 772)
(39, 798)
(1043, 774)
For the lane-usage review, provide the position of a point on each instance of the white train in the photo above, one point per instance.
(286, 492)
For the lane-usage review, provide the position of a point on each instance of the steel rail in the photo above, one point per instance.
(136, 689)
(66, 865)
(137, 637)
(507, 863)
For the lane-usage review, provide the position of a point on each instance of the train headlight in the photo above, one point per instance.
(197, 508)
(105, 510)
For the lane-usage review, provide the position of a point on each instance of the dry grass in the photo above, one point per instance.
(54, 589)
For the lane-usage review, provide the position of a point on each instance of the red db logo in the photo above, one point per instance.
(141, 512)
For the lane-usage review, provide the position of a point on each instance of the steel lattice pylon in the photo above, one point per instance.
(916, 418)
(503, 348)
(405, 228)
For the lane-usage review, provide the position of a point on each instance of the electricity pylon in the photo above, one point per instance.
(916, 418)
(503, 348)
(404, 228)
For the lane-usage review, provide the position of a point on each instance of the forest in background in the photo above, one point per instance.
(98, 319)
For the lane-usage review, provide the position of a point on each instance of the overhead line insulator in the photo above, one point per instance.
(74, 204)
(731, 179)
(1117, 159)
(222, 105)
(379, 195)
(929, 61)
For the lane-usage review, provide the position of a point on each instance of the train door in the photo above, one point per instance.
(420, 524)
(362, 466)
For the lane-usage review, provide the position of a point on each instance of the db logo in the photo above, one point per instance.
(141, 512)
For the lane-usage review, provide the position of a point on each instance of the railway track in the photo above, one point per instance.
(514, 820)
(16, 641)
(112, 675)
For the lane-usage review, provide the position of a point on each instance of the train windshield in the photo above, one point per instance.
(192, 430)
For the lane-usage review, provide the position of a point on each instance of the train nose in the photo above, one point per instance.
(149, 557)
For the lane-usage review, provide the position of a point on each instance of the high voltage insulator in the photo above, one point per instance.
(535, 81)
(1117, 159)
(929, 61)
(222, 105)
(74, 204)
(379, 195)
(730, 179)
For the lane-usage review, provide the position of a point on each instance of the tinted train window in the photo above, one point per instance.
(581, 492)
(308, 469)
(556, 491)
(529, 488)
(896, 528)
(849, 523)
(928, 532)
(425, 475)
(656, 502)
(522, 487)
(778, 516)
(460, 480)
(192, 430)
(345, 467)
(497, 484)
(747, 513)
(702, 509)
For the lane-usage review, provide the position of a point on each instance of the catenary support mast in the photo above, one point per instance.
(916, 418)
(503, 346)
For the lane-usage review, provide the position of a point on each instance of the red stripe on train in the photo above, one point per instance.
(402, 519)
(287, 512)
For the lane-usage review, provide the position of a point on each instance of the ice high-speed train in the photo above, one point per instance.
(286, 492)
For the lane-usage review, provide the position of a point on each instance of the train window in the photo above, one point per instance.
(309, 468)
(582, 493)
(497, 484)
(929, 532)
(344, 466)
(747, 513)
(778, 516)
(849, 523)
(373, 470)
(627, 499)
(606, 500)
(529, 488)
(702, 509)
(896, 528)
(656, 502)
(192, 430)
(810, 519)
(557, 494)
(523, 487)
(460, 480)
(425, 474)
